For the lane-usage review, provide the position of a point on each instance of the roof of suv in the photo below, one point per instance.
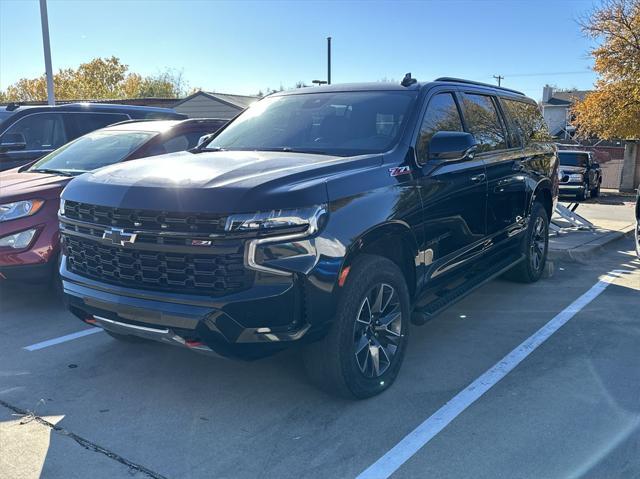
(389, 86)
(86, 106)
(159, 125)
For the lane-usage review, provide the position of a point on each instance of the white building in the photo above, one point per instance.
(556, 109)
(204, 104)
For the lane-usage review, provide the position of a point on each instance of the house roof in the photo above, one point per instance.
(566, 98)
(238, 101)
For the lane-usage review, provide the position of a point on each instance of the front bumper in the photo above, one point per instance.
(246, 325)
(570, 188)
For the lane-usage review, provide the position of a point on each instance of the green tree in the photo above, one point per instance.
(99, 79)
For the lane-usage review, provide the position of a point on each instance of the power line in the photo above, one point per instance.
(499, 78)
(581, 72)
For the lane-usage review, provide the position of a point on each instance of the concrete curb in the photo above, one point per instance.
(584, 252)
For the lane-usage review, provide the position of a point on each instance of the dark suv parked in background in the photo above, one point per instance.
(29, 132)
(329, 216)
(580, 176)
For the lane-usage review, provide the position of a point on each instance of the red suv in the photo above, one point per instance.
(29, 195)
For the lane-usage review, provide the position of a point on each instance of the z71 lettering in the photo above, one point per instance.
(399, 170)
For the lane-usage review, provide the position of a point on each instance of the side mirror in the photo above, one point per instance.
(446, 146)
(13, 141)
(203, 139)
(596, 165)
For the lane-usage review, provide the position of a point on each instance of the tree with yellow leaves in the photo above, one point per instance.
(99, 79)
(613, 109)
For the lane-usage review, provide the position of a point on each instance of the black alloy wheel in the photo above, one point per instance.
(377, 330)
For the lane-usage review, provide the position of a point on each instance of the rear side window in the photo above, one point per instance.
(84, 123)
(527, 119)
(41, 131)
(483, 122)
(441, 115)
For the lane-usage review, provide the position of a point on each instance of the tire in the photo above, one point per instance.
(584, 194)
(596, 191)
(535, 247)
(343, 363)
(127, 338)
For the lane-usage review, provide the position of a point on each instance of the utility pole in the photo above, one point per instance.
(329, 60)
(499, 78)
(47, 51)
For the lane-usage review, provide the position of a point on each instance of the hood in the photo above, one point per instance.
(15, 185)
(215, 182)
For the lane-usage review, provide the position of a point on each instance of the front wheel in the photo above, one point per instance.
(535, 247)
(596, 191)
(584, 193)
(362, 353)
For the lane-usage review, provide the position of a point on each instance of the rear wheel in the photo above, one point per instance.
(534, 248)
(364, 348)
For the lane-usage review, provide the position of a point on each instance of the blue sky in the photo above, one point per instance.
(242, 47)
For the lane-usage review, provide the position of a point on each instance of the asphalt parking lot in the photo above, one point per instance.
(570, 408)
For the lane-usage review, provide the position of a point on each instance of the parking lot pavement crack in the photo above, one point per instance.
(90, 446)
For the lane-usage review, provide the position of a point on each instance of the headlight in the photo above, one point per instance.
(276, 227)
(299, 222)
(17, 240)
(19, 209)
(576, 177)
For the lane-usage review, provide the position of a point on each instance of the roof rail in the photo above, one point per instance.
(471, 82)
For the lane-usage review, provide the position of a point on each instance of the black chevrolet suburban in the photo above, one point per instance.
(328, 217)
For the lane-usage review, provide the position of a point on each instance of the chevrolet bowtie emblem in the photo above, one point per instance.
(118, 236)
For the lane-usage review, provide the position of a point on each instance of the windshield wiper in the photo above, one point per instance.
(52, 171)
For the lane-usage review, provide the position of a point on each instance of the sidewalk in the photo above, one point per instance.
(613, 216)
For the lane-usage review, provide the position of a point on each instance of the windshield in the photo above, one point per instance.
(573, 159)
(342, 123)
(93, 151)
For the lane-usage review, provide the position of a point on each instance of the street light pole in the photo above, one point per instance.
(329, 60)
(47, 51)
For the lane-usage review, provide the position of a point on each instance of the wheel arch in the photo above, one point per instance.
(542, 193)
(393, 240)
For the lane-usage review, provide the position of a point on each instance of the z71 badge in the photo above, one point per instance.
(399, 170)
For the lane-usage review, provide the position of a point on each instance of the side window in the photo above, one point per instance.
(84, 123)
(41, 131)
(182, 142)
(483, 122)
(528, 120)
(514, 131)
(441, 115)
(177, 143)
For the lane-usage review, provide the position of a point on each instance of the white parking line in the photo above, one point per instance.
(62, 339)
(420, 436)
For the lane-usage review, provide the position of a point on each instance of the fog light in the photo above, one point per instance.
(17, 240)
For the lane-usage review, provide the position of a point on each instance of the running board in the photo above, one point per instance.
(422, 314)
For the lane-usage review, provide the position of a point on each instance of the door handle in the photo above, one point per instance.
(478, 178)
(518, 166)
